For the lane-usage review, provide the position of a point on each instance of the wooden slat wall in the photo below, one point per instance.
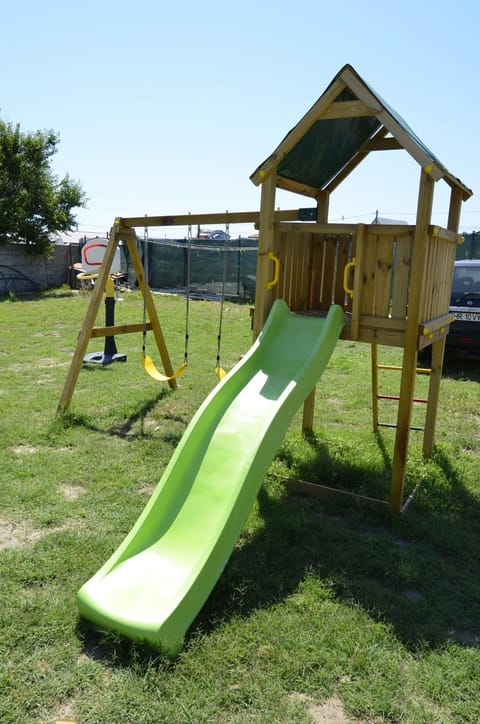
(366, 287)
(330, 250)
(401, 273)
(383, 275)
(316, 269)
(344, 255)
(312, 267)
(437, 278)
(386, 269)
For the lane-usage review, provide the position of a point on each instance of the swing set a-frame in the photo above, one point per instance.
(123, 230)
(119, 232)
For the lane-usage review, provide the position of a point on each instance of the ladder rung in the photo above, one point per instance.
(396, 397)
(418, 370)
(392, 424)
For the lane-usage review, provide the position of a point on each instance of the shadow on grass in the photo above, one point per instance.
(458, 368)
(119, 652)
(455, 366)
(123, 429)
(417, 572)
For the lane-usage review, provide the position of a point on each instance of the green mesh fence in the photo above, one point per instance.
(203, 267)
(470, 249)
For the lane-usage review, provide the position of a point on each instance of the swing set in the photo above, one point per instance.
(123, 230)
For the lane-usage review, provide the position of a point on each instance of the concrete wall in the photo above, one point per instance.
(22, 272)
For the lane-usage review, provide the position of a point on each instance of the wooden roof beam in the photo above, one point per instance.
(384, 144)
(348, 109)
(296, 187)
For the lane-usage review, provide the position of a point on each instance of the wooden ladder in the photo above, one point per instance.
(376, 395)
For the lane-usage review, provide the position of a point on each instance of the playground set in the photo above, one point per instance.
(383, 284)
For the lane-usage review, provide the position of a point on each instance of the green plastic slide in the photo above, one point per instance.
(154, 585)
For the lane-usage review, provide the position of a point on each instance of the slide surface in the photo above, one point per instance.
(153, 586)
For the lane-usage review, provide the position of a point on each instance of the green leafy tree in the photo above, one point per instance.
(34, 204)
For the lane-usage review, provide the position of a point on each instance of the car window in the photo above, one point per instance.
(466, 279)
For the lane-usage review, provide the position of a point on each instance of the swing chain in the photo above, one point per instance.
(218, 369)
(187, 292)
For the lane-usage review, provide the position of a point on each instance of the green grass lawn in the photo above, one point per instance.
(326, 605)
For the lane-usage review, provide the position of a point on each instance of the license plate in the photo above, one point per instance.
(467, 316)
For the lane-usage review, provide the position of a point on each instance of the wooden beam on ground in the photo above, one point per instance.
(317, 490)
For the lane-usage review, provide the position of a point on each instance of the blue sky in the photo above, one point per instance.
(168, 107)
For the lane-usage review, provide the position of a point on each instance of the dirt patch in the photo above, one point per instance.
(65, 714)
(20, 534)
(16, 534)
(329, 712)
(24, 449)
(72, 491)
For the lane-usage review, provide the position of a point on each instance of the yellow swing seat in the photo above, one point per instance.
(150, 369)
(220, 372)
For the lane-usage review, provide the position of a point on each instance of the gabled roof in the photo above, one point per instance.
(345, 124)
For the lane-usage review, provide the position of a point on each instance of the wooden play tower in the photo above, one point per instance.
(393, 281)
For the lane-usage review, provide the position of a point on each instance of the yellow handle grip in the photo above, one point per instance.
(350, 265)
(85, 275)
(276, 270)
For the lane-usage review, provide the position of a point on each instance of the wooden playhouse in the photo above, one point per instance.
(393, 281)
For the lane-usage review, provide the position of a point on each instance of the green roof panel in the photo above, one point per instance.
(326, 148)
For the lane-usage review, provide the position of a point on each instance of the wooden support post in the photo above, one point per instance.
(437, 353)
(438, 347)
(407, 385)
(131, 240)
(265, 245)
(323, 200)
(375, 387)
(454, 209)
(308, 413)
(358, 281)
(85, 334)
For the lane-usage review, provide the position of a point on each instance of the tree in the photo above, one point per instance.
(33, 203)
